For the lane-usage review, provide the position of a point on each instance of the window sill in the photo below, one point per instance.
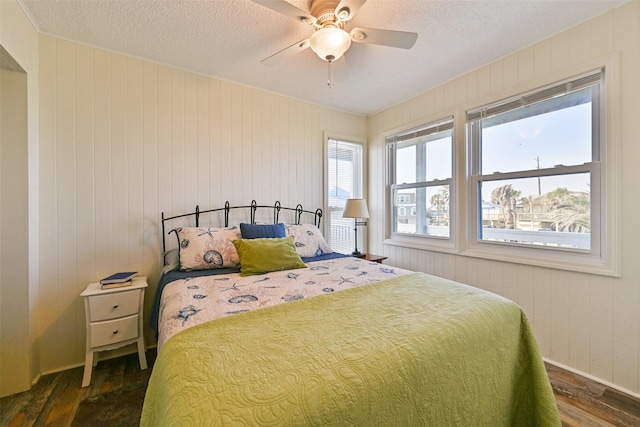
(422, 243)
(557, 260)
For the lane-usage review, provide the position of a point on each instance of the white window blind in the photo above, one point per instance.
(344, 181)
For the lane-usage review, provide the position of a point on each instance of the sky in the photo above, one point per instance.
(540, 141)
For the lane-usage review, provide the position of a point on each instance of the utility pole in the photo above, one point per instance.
(537, 159)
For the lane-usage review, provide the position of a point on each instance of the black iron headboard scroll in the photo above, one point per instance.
(253, 207)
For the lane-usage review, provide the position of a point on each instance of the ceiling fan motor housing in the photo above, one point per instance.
(325, 11)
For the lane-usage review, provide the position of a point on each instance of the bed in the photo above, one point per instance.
(331, 339)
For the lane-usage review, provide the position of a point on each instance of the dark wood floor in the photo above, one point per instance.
(583, 402)
(54, 400)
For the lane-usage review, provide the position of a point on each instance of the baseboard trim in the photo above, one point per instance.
(35, 379)
(102, 356)
(592, 378)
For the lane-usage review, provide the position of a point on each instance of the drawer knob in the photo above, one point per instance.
(115, 306)
(115, 332)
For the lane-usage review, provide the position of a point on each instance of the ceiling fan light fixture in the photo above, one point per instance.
(330, 43)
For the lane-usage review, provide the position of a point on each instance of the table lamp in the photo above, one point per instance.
(356, 208)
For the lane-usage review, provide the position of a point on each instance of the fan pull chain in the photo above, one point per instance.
(329, 75)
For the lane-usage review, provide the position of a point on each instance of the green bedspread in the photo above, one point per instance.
(415, 350)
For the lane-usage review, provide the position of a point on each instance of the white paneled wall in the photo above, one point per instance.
(19, 282)
(123, 140)
(587, 322)
(15, 368)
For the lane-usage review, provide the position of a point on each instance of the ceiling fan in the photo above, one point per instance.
(330, 41)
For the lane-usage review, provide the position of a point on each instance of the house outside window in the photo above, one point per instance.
(537, 168)
(420, 180)
(344, 169)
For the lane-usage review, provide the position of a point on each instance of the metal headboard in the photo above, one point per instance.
(253, 207)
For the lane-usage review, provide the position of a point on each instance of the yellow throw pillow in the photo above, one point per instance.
(259, 256)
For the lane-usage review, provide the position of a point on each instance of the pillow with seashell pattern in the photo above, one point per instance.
(308, 240)
(207, 248)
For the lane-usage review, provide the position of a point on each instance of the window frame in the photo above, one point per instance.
(327, 209)
(421, 241)
(604, 170)
(610, 262)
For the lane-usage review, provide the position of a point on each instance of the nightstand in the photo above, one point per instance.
(374, 258)
(114, 319)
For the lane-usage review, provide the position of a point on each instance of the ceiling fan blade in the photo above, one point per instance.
(402, 39)
(285, 53)
(288, 9)
(347, 9)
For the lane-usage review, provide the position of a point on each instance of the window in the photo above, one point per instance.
(536, 168)
(344, 181)
(420, 179)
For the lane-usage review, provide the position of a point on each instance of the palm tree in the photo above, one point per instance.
(506, 196)
(555, 198)
(440, 201)
(573, 214)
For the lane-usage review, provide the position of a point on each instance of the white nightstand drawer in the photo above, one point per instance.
(114, 305)
(113, 331)
(114, 319)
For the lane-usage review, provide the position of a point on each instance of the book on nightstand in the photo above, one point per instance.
(119, 279)
(116, 285)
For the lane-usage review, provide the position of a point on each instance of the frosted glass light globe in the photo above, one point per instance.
(330, 43)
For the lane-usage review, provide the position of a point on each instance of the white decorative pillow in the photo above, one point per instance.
(308, 240)
(207, 248)
(171, 261)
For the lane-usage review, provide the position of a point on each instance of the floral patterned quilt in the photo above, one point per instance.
(193, 300)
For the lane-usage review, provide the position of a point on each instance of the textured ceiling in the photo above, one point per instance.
(226, 39)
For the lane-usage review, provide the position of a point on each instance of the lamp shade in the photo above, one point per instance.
(355, 208)
(330, 43)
